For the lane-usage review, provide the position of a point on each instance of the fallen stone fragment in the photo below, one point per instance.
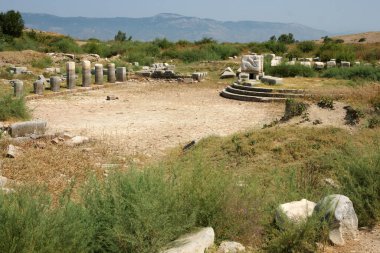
(13, 151)
(25, 129)
(227, 73)
(296, 211)
(271, 80)
(77, 140)
(196, 242)
(340, 212)
(230, 247)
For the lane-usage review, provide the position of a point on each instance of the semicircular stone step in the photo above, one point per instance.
(227, 94)
(274, 90)
(262, 94)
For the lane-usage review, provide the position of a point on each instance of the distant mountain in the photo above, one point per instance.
(171, 26)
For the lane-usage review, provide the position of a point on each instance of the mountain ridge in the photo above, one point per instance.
(169, 25)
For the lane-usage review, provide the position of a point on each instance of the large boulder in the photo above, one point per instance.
(296, 211)
(230, 247)
(196, 242)
(340, 212)
(28, 128)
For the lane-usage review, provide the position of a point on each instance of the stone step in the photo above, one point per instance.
(259, 89)
(227, 94)
(262, 94)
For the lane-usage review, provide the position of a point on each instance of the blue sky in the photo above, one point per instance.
(330, 15)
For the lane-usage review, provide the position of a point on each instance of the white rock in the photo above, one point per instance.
(296, 211)
(3, 181)
(339, 210)
(319, 65)
(252, 64)
(230, 247)
(13, 151)
(196, 242)
(306, 63)
(77, 140)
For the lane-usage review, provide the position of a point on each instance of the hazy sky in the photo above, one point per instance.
(329, 15)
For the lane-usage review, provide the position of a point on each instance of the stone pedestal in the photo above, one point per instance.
(70, 69)
(121, 74)
(111, 77)
(253, 64)
(55, 83)
(38, 87)
(98, 73)
(86, 73)
(18, 88)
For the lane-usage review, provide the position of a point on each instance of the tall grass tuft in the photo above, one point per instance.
(13, 108)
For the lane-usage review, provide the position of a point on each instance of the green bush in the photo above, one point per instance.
(306, 46)
(353, 73)
(285, 70)
(333, 50)
(41, 63)
(374, 122)
(64, 45)
(294, 108)
(297, 237)
(13, 108)
(326, 102)
(99, 48)
(11, 23)
(276, 47)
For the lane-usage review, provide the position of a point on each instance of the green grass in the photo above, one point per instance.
(354, 73)
(42, 63)
(284, 70)
(13, 108)
(233, 184)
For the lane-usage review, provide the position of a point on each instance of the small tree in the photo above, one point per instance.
(120, 36)
(273, 38)
(11, 23)
(286, 38)
(306, 46)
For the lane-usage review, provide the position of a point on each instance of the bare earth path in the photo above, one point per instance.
(149, 117)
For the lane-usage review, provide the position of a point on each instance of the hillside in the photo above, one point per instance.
(370, 37)
(171, 26)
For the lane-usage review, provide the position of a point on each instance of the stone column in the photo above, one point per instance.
(86, 73)
(111, 73)
(55, 83)
(38, 87)
(70, 68)
(121, 74)
(18, 88)
(99, 73)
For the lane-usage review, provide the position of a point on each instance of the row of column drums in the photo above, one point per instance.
(113, 74)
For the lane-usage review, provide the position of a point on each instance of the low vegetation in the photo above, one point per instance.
(13, 108)
(219, 183)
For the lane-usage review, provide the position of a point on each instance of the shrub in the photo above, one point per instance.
(301, 237)
(276, 47)
(333, 50)
(306, 46)
(353, 73)
(163, 43)
(286, 38)
(65, 45)
(362, 39)
(374, 122)
(41, 63)
(13, 108)
(360, 182)
(120, 36)
(294, 108)
(284, 70)
(99, 48)
(326, 102)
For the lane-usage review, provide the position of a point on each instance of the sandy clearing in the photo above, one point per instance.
(148, 118)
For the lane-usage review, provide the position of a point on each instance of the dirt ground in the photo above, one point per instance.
(148, 117)
(367, 242)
